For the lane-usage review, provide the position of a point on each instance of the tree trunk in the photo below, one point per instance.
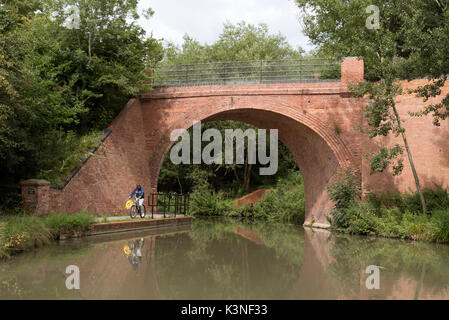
(247, 182)
(180, 185)
(410, 158)
(235, 174)
(246, 175)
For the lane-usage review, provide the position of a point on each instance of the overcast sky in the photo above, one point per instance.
(203, 19)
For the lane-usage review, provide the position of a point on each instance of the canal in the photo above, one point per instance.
(229, 259)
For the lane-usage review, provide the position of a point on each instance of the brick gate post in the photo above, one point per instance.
(36, 195)
(352, 70)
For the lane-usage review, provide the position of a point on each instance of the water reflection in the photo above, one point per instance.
(133, 251)
(230, 259)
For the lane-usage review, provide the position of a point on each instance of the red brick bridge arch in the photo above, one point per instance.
(318, 150)
(317, 121)
(306, 115)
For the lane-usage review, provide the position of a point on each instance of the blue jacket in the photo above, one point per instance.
(139, 193)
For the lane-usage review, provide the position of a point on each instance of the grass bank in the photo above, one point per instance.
(392, 215)
(27, 231)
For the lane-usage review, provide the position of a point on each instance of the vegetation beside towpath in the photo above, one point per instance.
(394, 215)
(28, 231)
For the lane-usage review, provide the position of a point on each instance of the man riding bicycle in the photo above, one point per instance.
(140, 195)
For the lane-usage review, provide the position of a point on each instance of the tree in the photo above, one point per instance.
(241, 42)
(61, 83)
(13, 128)
(339, 28)
(428, 43)
(107, 55)
(237, 42)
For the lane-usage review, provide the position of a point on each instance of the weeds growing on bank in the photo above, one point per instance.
(284, 203)
(389, 214)
(25, 232)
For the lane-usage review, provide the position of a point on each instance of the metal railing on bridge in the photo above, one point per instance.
(248, 72)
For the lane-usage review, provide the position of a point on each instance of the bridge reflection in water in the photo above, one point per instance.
(228, 259)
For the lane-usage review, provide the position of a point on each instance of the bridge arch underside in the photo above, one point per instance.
(318, 154)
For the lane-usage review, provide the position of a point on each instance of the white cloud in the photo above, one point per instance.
(203, 19)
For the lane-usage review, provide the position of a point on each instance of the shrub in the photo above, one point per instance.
(268, 207)
(345, 190)
(63, 223)
(440, 220)
(416, 226)
(436, 198)
(360, 218)
(389, 224)
(286, 203)
(293, 206)
(206, 202)
(386, 200)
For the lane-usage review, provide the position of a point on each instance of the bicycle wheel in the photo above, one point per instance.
(133, 212)
(143, 212)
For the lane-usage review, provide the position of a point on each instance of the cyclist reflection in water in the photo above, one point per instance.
(134, 252)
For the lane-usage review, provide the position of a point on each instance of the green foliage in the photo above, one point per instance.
(439, 110)
(21, 233)
(284, 204)
(440, 219)
(207, 202)
(337, 129)
(379, 162)
(397, 215)
(62, 83)
(382, 118)
(436, 198)
(68, 151)
(237, 42)
(359, 219)
(64, 223)
(345, 190)
(10, 201)
(268, 206)
(412, 36)
(25, 232)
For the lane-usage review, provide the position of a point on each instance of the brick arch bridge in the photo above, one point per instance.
(317, 121)
(318, 150)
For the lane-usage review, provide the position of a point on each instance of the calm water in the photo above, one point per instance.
(229, 259)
